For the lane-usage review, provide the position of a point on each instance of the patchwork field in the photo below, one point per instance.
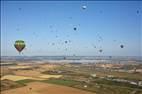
(20, 67)
(31, 73)
(47, 78)
(17, 78)
(44, 88)
(50, 76)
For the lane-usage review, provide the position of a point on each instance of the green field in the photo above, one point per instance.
(81, 78)
(99, 87)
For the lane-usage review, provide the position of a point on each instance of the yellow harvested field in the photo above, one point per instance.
(49, 67)
(31, 73)
(19, 67)
(16, 78)
(50, 76)
(5, 71)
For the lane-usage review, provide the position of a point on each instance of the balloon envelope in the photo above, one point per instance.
(84, 7)
(66, 41)
(19, 45)
(100, 50)
(122, 46)
(74, 28)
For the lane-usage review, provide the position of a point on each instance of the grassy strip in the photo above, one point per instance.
(115, 83)
(62, 82)
(25, 81)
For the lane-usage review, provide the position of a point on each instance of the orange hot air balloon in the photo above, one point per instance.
(19, 45)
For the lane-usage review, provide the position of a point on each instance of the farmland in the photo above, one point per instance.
(73, 78)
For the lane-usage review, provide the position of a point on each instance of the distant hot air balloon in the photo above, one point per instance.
(110, 57)
(75, 28)
(100, 50)
(53, 43)
(137, 11)
(122, 46)
(20, 9)
(84, 7)
(19, 45)
(66, 41)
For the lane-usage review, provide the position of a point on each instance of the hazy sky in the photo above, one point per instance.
(47, 27)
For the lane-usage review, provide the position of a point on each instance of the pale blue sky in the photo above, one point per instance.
(104, 24)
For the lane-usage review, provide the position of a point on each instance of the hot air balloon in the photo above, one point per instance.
(110, 57)
(137, 11)
(75, 28)
(66, 41)
(19, 45)
(84, 7)
(20, 9)
(122, 46)
(100, 50)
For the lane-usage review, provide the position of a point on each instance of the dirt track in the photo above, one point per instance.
(44, 88)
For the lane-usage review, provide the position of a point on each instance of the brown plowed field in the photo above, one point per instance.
(44, 88)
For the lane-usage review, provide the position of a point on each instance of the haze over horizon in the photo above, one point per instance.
(64, 28)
